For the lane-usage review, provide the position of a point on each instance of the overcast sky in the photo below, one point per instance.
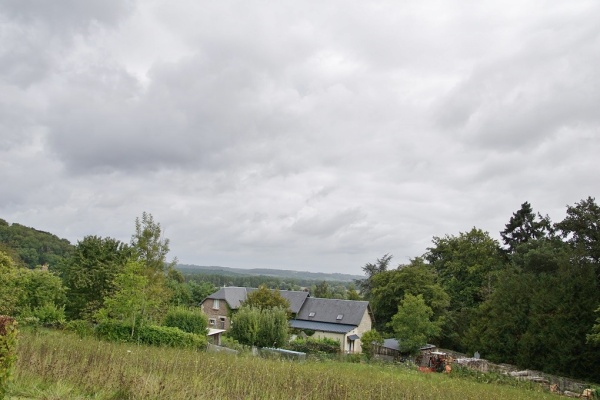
(306, 135)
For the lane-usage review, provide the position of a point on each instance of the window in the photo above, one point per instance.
(212, 321)
(340, 316)
(311, 314)
(215, 304)
(222, 319)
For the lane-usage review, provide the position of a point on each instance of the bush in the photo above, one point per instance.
(48, 315)
(253, 326)
(187, 319)
(315, 346)
(8, 357)
(168, 336)
(150, 335)
(81, 327)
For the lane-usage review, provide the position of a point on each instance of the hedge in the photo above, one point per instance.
(8, 357)
(150, 335)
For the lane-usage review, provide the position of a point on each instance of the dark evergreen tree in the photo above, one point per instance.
(523, 226)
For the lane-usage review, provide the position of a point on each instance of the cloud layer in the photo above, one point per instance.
(295, 135)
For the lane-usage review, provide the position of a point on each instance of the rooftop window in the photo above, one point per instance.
(340, 316)
(311, 314)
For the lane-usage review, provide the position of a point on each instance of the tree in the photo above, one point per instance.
(264, 298)
(89, 274)
(466, 266)
(322, 290)
(11, 290)
(581, 228)
(412, 324)
(370, 270)
(368, 340)
(389, 287)
(266, 327)
(594, 337)
(136, 300)
(352, 294)
(150, 247)
(523, 227)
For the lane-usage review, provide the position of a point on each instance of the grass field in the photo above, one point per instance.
(55, 365)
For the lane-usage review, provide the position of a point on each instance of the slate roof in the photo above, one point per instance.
(295, 297)
(321, 326)
(328, 310)
(234, 296)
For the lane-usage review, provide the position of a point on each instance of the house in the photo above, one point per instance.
(343, 320)
(220, 305)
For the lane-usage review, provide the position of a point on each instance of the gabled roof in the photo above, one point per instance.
(234, 296)
(321, 326)
(347, 312)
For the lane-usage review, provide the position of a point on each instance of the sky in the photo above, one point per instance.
(302, 135)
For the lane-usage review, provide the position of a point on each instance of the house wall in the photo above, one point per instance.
(220, 316)
(365, 325)
(330, 335)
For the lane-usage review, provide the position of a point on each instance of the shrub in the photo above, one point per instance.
(315, 346)
(81, 327)
(114, 331)
(253, 326)
(48, 315)
(8, 357)
(187, 319)
(150, 335)
(169, 336)
(370, 339)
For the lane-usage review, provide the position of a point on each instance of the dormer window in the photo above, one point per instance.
(340, 316)
(311, 314)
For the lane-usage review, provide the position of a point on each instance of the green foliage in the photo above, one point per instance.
(33, 247)
(368, 340)
(8, 349)
(412, 324)
(151, 248)
(89, 274)
(389, 287)
(260, 327)
(322, 290)
(191, 320)
(315, 345)
(581, 229)
(594, 337)
(80, 327)
(48, 315)
(371, 270)
(524, 227)
(11, 290)
(466, 266)
(150, 334)
(265, 298)
(136, 300)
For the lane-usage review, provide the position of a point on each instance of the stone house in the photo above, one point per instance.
(343, 320)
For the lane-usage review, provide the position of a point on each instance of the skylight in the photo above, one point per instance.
(311, 314)
(340, 316)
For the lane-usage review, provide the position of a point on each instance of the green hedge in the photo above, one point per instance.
(188, 320)
(312, 345)
(8, 357)
(150, 335)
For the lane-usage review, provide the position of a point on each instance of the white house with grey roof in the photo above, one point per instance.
(343, 320)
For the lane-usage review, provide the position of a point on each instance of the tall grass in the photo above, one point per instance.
(54, 365)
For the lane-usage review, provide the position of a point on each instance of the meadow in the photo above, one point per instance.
(57, 365)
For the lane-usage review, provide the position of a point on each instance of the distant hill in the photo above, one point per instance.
(32, 247)
(278, 273)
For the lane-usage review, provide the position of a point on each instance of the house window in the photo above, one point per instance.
(340, 316)
(215, 304)
(212, 321)
(311, 314)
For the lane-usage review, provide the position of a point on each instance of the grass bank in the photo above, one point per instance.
(55, 365)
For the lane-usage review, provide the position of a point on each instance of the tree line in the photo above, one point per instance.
(532, 300)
